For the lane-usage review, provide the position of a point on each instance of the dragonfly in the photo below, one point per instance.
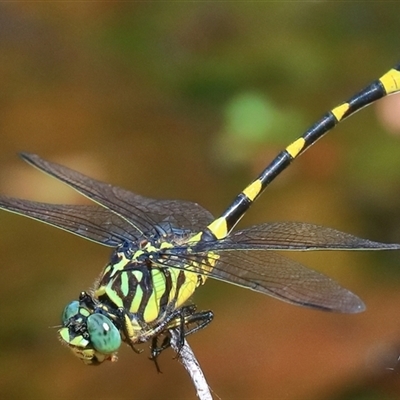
(164, 250)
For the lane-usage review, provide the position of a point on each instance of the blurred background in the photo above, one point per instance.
(191, 101)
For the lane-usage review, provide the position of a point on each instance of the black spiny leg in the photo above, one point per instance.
(185, 318)
(156, 350)
(200, 319)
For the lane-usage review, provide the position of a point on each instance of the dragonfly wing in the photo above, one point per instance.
(141, 212)
(270, 273)
(90, 222)
(181, 214)
(297, 236)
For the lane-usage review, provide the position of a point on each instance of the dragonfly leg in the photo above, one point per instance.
(188, 322)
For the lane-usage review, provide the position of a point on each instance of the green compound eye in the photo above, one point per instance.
(104, 336)
(69, 311)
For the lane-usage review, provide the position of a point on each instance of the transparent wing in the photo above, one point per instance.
(90, 222)
(297, 236)
(285, 279)
(275, 275)
(142, 213)
(247, 258)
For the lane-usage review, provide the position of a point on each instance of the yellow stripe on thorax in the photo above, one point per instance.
(187, 289)
(152, 309)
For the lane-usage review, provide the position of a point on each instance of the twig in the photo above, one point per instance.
(187, 358)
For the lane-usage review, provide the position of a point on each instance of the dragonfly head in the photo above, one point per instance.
(90, 334)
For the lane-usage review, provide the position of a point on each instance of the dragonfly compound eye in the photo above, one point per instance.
(70, 310)
(92, 337)
(104, 336)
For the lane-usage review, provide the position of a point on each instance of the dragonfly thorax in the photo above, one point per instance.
(139, 280)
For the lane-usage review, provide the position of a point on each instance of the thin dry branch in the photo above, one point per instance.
(187, 358)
